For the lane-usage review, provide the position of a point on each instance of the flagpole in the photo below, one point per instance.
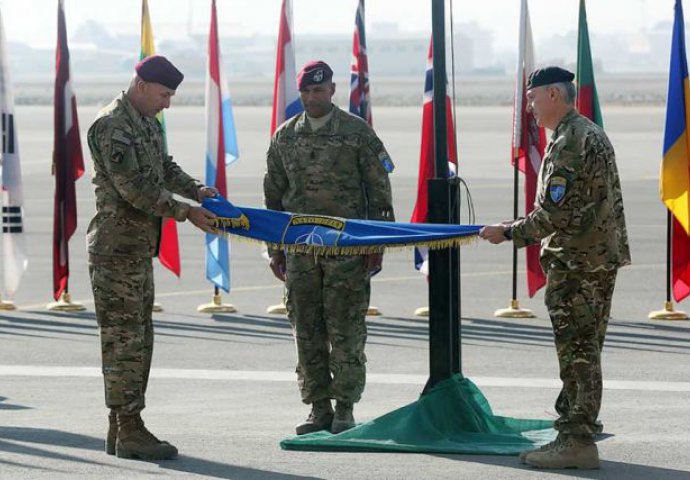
(668, 313)
(514, 310)
(444, 303)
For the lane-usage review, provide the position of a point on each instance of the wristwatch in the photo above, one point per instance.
(508, 233)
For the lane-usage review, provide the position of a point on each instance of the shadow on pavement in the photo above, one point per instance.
(609, 470)
(22, 441)
(624, 335)
(223, 470)
(9, 406)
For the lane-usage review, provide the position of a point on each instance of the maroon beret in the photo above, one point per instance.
(314, 72)
(158, 69)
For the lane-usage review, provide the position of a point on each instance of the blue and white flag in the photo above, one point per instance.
(14, 250)
(221, 150)
(324, 235)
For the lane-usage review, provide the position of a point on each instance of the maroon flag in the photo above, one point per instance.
(68, 163)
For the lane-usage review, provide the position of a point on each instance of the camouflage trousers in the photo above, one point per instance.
(123, 292)
(327, 301)
(579, 304)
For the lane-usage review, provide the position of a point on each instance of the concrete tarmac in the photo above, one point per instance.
(223, 387)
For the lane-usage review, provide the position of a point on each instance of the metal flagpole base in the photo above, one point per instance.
(668, 313)
(4, 305)
(157, 307)
(373, 311)
(65, 304)
(279, 309)
(216, 306)
(514, 311)
(422, 312)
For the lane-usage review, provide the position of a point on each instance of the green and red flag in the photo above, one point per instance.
(587, 102)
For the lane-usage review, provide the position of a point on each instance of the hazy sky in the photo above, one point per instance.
(33, 21)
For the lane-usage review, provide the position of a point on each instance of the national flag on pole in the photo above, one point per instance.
(360, 103)
(529, 141)
(674, 178)
(587, 102)
(426, 155)
(68, 163)
(169, 248)
(286, 101)
(221, 150)
(14, 249)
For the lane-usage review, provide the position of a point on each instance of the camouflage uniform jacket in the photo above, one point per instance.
(134, 181)
(337, 170)
(578, 214)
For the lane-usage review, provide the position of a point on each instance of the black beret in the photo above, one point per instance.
(547, 76)
(314, 72)
(158, 69)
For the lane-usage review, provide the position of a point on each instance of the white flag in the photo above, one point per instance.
(14, 251)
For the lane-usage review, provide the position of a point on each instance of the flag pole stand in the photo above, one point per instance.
(668, 313)
(514, 311)
(157, 307)
(7, 305)
(216, 305)
(422, 312)
(279, 308)
(65, 304)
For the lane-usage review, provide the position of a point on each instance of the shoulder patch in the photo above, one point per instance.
(386, 161)
(557, 189)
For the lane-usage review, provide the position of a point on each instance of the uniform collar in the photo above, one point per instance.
(564, 121)
(132, 112)
(302, 124)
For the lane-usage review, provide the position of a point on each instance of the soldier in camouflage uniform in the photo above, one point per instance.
(579, 219)
(327, 162)
(134, 182)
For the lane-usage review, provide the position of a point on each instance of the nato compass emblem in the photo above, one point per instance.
(557, 189)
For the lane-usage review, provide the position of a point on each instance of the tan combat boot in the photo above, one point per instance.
(319, 418)
(135, 441)
(546, 446)
(574, 451)
(111, 437)
(343, 419)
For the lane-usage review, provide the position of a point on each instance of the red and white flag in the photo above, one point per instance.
(286, 101)
(68, 163)
(529, 141)
(426, 155)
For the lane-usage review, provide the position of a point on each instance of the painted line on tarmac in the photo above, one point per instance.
(372, 378)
